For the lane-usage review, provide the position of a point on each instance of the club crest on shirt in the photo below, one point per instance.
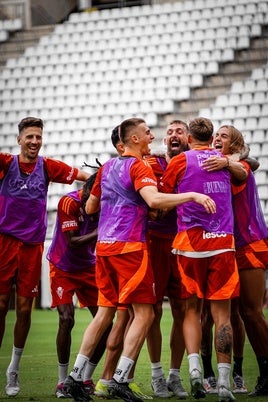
(60, 292)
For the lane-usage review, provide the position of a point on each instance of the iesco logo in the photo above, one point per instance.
(213, 235)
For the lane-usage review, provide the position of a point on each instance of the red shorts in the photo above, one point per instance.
(211, 278)
(254, 255)
(20, 264)
(64, 285)
(165, 267)
(125, 278)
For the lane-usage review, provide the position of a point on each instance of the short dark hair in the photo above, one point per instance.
(177, 121)
(115, 136)
(127, 125)
(201, 129)
(30, 122)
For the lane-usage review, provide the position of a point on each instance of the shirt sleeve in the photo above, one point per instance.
(68, 212)
(142, 175)
(5, 160)
(60, 172)
(96, 189)
(174, 172)
(156, 166)
(238, 186)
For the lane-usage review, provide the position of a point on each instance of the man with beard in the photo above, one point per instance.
(206, 253)
(125, 187)
(24, 181)
(167, 280)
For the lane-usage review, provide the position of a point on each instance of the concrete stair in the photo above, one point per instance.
(20, 40)
(238, 70)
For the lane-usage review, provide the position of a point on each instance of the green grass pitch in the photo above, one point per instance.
(38, 369)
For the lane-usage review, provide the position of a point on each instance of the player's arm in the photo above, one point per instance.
(253, 163)
(145, 182)
(60, 172)
(76, 241)
(82, 175)
(158, 200)
(92, 204)
(93, 201)
(236, 168)
(68, 214)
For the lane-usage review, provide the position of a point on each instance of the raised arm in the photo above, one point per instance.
(82, 175)
(92, 204)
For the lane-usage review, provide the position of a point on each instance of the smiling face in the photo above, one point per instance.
(176, 139)
(30, 141)
(229, 140)
(222, 140)
(144, 136)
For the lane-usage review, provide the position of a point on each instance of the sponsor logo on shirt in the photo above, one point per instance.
(213, 235)
(69, 177)
(69, 224)
(211, 187)
(31, 184)
(149, 180)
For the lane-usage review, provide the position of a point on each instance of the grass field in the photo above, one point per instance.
(38, 371)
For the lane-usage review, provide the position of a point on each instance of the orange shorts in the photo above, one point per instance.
(125, 279)
(165, 267)
(20, 264)
(211, 278)
(252, 256)
(64, 285)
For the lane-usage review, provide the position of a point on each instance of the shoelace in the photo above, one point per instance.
(178, 384)
(161, 384)
(238, 381)
(212, 382)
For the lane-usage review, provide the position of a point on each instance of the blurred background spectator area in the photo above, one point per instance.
(84, 66)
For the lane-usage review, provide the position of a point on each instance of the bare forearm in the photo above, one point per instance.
(237, 170)
(159, 200)
(82, 175)
(77, 241)
(163, 201)
(92, 205)
(218, 163)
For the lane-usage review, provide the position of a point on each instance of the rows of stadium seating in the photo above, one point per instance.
(246, 107)
(101, 67)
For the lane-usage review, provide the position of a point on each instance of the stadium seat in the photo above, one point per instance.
(264, 152)
(99, 67)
